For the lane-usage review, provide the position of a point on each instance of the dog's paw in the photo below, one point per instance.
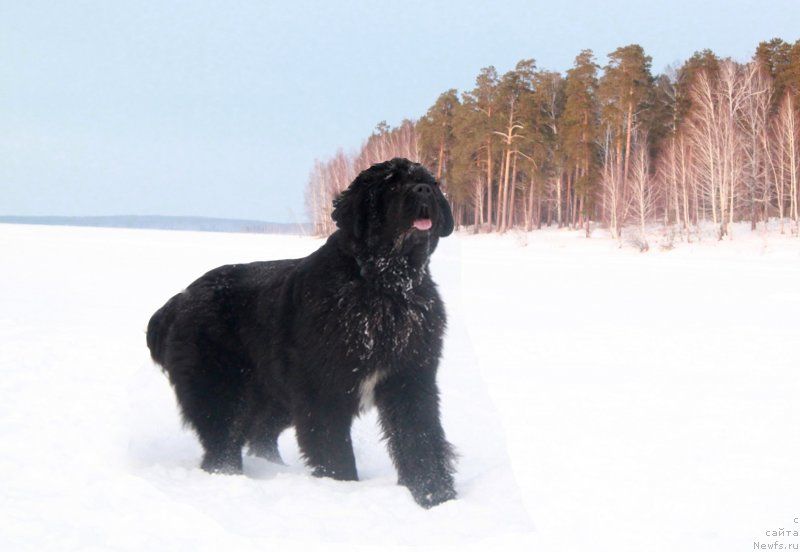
(429, 496)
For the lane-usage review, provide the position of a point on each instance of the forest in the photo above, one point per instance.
(710, 141)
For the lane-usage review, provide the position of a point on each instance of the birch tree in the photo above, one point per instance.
(717, 138)
(616, 200)
(755, 127)
(643, 195)
(786, 134)
(387, 142)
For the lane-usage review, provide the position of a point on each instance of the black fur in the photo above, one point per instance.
(252, 349)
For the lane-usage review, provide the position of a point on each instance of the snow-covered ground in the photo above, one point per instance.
(600, 399)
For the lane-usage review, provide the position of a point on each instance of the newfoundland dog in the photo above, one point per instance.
(252, 349)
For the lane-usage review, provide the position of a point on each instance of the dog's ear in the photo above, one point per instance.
(350, 208)
(447, 224)
(348, 211)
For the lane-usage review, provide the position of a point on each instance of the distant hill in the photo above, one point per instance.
(202, 224)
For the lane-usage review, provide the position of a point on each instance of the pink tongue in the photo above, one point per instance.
(423, 224)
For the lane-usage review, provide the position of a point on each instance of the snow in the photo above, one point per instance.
(599, 399)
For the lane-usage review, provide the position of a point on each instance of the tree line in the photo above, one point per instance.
(710, 140)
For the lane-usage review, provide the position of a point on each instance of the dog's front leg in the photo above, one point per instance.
(323, 433)
(408, 405)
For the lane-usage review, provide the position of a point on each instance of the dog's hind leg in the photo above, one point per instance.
(222, 434)
(222, 457)
(213, 404)
(223, 444)
(265, 428)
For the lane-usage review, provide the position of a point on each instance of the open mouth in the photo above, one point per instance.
(423, 221)
(423, 224)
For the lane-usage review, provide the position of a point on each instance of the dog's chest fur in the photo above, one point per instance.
(383, 326)
(380, 332)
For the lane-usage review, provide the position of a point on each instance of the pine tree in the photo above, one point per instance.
(710, 137)
(623, 91)
(513, 92)
(482, 100)
(579, 134)
(775, 57)
(624, 88)
(435, 134)
(540, 146)
(467, 158)
(705, 61)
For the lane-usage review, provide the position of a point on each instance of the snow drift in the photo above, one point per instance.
(598, 398)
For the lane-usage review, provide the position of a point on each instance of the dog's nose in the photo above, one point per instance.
(423, 189)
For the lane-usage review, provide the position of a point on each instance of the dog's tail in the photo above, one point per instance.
(157, 329)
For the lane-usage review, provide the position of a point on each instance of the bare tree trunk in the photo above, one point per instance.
(477, 206)
(558, 201)
(674, 180)
(574, 208)
(769, 169)
(569, 200)
(489, 182)
(628, 140)
(787, 174)
(529, 206)
(539, 210)
(620, 176)
(643, 200)
(684, 177)
(440, 167)
(512, 200)
(612, 188)
(789, 123)
(502, 201)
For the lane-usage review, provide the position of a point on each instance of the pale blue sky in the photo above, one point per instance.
(219, 108)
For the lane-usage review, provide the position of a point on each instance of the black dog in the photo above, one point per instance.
(252, 349)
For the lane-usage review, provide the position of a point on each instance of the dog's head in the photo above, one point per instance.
(395, 206)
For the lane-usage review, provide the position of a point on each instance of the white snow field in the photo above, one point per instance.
(600, 399)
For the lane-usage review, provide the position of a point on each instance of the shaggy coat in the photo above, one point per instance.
(252, 349)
